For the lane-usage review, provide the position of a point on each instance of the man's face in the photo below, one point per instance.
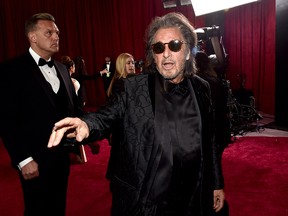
(107, 59)
(45, 39)
(170, 64)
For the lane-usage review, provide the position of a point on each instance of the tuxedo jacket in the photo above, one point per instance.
(136, 155)
(28, 110)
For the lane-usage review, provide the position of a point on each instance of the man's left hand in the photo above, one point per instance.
(219, 197)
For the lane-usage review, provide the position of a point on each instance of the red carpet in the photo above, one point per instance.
(255, 170)
(256, 176)
(88, 192)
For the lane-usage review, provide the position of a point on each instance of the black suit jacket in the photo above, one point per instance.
(28, 110)
(136, 154)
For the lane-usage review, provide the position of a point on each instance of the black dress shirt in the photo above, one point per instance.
(183, 120)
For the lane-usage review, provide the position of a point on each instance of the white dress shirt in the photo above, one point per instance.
(50, 74)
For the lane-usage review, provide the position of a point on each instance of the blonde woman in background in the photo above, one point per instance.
(125, 67)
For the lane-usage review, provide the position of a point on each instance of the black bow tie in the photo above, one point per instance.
(42, 62)
(180, 88)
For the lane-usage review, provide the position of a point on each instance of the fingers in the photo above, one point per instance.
(58, 131)
(30, 170)
(218, 204)
(56, 136)
(219, 198)
(69, 127)
(28, 176)
(82, 131)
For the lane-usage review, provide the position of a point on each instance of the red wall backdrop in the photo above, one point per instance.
(250, 43)
(95, 29)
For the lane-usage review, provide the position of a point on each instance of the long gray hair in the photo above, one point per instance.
(172, 20)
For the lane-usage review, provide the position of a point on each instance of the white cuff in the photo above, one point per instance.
(24, 162)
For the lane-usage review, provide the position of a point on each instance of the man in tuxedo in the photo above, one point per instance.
(35, 92)
(166, 160)
(107, 73)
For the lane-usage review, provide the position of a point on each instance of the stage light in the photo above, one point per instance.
(202, 7)
(169, 3)
(185, 2)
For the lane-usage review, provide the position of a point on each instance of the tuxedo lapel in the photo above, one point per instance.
(62, 74)
(37, 74)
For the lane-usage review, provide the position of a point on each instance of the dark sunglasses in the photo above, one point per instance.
(174, 45)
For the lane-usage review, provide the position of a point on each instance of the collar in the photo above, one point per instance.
(35, 56)
(171, 88)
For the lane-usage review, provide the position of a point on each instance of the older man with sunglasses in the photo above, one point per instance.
(167, 161)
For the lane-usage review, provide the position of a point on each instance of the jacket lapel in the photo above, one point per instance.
(37, 74)
(161, 159)
(66, 79)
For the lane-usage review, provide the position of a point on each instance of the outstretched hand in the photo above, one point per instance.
(70, 128)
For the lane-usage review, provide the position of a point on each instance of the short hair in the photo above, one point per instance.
(31, 23)
(172, 20)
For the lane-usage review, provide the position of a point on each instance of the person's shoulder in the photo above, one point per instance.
(74, 80)
(137, 77)
(16, 59)
(58, 63)
(14, 63)
(134, 82)
(198, 80)
(61, 67)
